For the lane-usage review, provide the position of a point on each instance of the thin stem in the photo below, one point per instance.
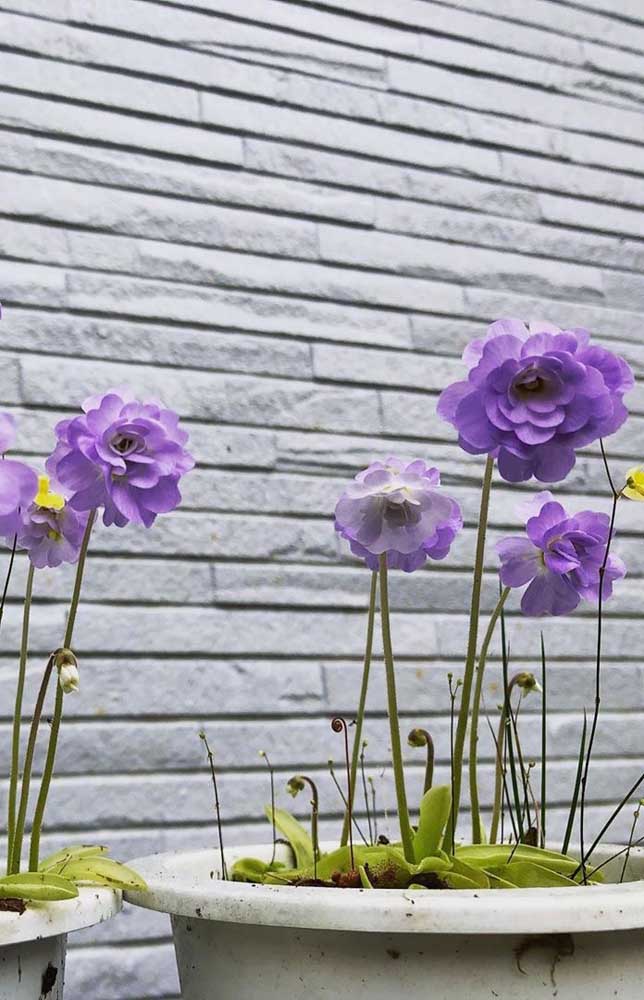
(213, 775)
(452, 697)
(17, 716)
(575, 794)
(41, 803)
(598, 662)
(470, 662)
(366, 669)
(373, 809)
(263, 754)
(339, 725)
(26, 772)
(365, 793)
(406, 831)
(423, 738)
(477, 833)
(354, 822)
(609, 822)
(504, 793)
(7, 579)
(295, 785)
(636, 816)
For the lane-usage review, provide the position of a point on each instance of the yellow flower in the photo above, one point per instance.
(634, 488)
(45, 498)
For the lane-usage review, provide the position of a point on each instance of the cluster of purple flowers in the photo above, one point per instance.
(532, 397)
(121, 456)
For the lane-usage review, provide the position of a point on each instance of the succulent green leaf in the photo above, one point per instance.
(296, 835)
(364, 878)
(494, 855)
(99, 870)
(527, 875)
(56, 862)
(456, 881)
(37, 886)
(434, 813)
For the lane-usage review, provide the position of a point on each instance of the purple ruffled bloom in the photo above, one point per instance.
(18, 485)
(122, 455)
(534, 396)
(396, 507)
(52, 537)
(560, 558)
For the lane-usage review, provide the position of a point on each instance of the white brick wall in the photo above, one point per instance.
(286, 218)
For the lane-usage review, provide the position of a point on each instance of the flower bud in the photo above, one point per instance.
(67, 666)
(528, 682)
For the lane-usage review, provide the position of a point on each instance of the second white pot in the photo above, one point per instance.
(245, 942)
(33, 944)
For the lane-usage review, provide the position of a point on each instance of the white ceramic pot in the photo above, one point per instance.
(33, 943)
(245, 942)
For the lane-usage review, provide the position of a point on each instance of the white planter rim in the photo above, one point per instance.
(47, 919)
(180, 883)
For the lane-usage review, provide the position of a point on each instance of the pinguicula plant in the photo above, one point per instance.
(532, 397)
(120, 458)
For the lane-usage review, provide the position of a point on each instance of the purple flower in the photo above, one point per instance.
(534, 396)
(18, 485)
(51, 532)
(122, 455)
(395, 507)
(560, 558)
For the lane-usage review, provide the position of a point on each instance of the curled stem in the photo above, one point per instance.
(366, 670)
(17, 717)
(477, 833)
(422, 738)
(406, 832)
(470, 662)
(296, 784)
(48, 771)
(339, 725)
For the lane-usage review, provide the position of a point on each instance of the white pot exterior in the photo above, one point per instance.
(33, 944)
(274, 942)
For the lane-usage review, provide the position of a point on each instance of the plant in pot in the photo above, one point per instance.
(509, 908)
(125, 459)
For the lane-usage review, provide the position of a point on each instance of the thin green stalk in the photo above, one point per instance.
(575, 795)
(366, 669)
(470, 662)
(26, 770)
(406, 832)
(41, 803)
(17, 717)
(477, 834)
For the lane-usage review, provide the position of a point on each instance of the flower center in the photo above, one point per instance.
(123, 444)
(530, 382)
(45, 498)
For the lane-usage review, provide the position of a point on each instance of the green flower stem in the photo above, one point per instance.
(362, 703)
(39, 812)
(500, 750)
(19, 831)
(470, 663)
(477, 832)
(406, 831)
(17, 717)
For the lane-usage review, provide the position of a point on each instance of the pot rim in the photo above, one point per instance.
(182, 883)
(93, 905)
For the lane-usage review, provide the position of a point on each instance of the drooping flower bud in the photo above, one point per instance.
(67, 666)
(528, 682)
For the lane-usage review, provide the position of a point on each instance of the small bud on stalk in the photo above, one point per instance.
(67, 666)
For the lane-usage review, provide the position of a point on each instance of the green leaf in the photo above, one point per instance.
(470, 872)
(494, 855)
(456, 881)
(56, 862)
(434, 813)
(99, 870)
(37, 886)
(527, 875)
(296, 835)
(254, 870)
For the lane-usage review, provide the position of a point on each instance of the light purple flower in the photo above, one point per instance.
(534, 396)
(123, 455)
(18, 485)
(397, 507)
(560, 558)
(52, 536)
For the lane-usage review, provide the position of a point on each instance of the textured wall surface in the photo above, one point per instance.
(286, 219)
